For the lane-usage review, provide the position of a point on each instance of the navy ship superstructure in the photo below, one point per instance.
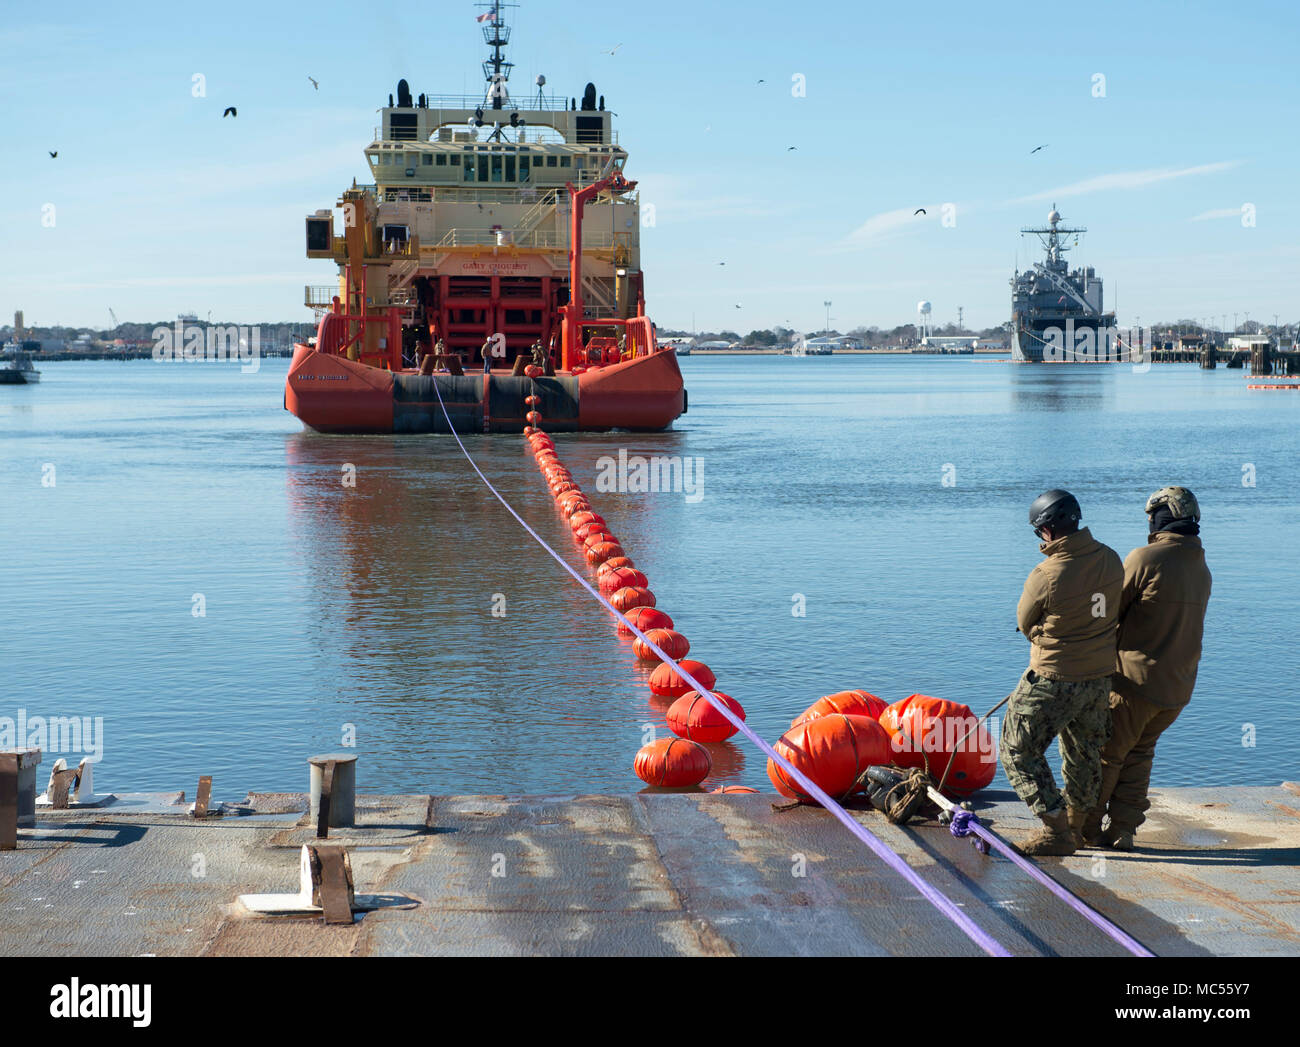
(1057, 313)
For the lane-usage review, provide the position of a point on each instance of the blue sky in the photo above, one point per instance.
(162, 207)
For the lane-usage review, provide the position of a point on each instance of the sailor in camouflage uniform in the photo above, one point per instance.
(1068, 611)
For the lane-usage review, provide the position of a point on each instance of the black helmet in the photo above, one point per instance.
(1056, 509)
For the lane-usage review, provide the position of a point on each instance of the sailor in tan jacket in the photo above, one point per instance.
(1068, 612)
(1161, 618)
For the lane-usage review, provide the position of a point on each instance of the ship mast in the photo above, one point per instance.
(496, 70)
(1051, 238)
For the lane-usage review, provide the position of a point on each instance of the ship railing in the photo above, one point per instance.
(529, 134)
(520, 104)
(540, 238)
(318, 296)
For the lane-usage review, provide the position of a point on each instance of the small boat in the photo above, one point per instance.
(16, 369)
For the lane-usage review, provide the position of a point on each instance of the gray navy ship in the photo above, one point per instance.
(1057, 313)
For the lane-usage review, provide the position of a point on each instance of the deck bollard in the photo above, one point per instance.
(27, 760)
(333, 791)
(8, 801)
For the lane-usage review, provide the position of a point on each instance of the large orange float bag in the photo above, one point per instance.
(925, 731)
(673, 763)
(851, 703)
(833, 750)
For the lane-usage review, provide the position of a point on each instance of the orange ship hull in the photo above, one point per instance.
(333, 394)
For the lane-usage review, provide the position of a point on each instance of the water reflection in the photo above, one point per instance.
(443, 627)
(1062, 387)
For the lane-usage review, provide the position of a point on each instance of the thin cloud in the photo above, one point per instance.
(883, 224)
(1127, 180)
(1222, 212)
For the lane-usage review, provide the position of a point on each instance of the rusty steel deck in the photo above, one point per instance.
(643, 874)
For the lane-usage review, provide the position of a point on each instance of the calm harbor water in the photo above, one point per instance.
(889, 493)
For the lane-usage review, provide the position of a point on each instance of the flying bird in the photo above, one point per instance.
(230, 111)
(54, 154)
(314, 83)
(919, 210)
(1036, 148)
(722, 263)
(762, 81)
(737, 305)
(612, 50)
(791, 149)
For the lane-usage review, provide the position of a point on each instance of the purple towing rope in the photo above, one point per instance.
(965, 823)
(889, 857)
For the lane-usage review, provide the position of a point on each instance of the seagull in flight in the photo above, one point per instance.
(791, 149)
(54, 154)
(314, 83)
(762, 81)
(919, 210)
(230, 111)
(1036, 148)
(722, 263)
(611, 50)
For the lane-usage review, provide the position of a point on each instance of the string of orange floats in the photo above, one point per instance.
(832, 742)
(681, 760)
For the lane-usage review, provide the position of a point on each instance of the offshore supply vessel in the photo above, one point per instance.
(1057, 313)
(496, 257)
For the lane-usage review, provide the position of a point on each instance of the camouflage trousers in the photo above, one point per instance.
(1041, 709)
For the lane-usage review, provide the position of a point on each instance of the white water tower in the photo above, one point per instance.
(923, 325)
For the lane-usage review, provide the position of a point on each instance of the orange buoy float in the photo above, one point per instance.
(667, 683)
(832, 750)
(673, 763)
(578, 519)
(632, 596)
(693, 716)
(595, 537)
(620, 578)
(533, 416)
(532, 399)
(644, 618)
(563, 487)
(597, 554)
(732, 789)
(927, 730)
(581, 533)
(670, 641)
(613, 564)
(573, 503)
(533, 371)
(852, 703)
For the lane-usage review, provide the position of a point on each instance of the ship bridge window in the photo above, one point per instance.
(496, 169)
(428, 160)
(551, 161)
(455, 160)
(442, 160)
(564, 161)
(523, 169)
(510, 168)
(482, 167)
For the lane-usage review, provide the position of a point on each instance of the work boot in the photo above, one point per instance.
(1117, 838)
(1086, 826)
(1056, 838)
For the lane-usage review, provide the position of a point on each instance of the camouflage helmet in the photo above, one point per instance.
(1181, 502)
